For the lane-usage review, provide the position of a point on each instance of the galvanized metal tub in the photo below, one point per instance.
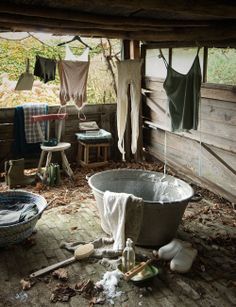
(165, 200)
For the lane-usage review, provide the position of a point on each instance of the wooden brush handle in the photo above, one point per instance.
(135, 270)
(53, 267)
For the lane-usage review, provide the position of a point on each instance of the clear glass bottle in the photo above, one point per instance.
(128, 256)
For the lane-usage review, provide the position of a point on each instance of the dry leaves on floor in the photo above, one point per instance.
(62, 293)
(91, 292)
(61, 274)
(27, 283)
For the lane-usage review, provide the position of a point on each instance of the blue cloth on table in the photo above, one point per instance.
(94, 136)
(20, 147)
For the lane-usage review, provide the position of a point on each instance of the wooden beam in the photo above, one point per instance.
(62, 23)
(66, 14)
(210, 8)
(215, 34)
(134, 49)
(176, 44)
(205, 61)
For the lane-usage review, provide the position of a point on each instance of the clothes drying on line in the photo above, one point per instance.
(129, 73)
(45, 68)
(183, 91)
(84, 57)
(73, 81)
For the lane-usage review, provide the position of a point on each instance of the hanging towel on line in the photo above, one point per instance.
(73, 81)
(183, 91)
(45, 68)
(129, 73)
(84, 57)
(31, 132)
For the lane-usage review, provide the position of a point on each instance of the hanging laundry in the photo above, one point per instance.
(26, 80)
(183, 91)
(129, 73)
(32, 134)
(45, 68)
(73, 81)
(84, 57)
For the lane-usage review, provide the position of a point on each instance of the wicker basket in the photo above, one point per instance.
(16, 233)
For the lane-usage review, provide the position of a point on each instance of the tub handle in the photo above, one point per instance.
(89, 175)
(196, 197)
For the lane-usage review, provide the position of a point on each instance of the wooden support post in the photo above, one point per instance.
(205, 60)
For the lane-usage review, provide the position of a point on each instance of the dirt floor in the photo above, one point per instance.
(210, 226)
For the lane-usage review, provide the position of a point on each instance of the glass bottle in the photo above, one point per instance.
(128, 256)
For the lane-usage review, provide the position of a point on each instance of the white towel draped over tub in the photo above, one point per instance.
(118, 208)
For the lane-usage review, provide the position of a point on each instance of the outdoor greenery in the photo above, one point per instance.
(221, 66)
(13, 56)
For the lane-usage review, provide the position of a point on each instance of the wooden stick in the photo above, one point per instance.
(135, 270)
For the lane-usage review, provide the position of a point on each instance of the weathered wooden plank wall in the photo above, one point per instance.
(103, 114)
(214, 163)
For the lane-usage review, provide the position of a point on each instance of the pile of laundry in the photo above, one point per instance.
(13, 213)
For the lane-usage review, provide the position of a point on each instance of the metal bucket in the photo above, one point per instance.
(165, 200)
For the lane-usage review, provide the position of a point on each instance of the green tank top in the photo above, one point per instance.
(183, 91)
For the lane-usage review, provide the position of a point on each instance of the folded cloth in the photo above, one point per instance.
(114, 221)
(16, 213)
(32, 134)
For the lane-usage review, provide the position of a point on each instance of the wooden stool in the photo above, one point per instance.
(84, 153)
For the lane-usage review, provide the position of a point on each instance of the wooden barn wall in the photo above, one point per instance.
(103, 114)
(213, 164)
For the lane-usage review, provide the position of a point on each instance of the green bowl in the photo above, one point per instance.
(146, 275)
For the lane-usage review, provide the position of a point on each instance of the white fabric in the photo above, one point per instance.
(114, 217)
(183, 260)
(167, 252)
(84, 57)
(129, 73)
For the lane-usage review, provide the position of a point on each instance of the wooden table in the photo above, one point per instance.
(84, 154)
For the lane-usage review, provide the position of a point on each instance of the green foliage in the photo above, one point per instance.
(221, 66)
(13, 56)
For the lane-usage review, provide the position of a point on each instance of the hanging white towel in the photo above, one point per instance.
(114, 221)
(129, 73)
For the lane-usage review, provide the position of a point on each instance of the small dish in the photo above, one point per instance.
(145, 276)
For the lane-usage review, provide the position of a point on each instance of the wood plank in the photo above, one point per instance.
(210, 91)
(185, 173)
(185, 153)
(69, 15)
(6, 131)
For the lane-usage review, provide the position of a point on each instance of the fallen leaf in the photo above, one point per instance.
(26, 284)
(61, 274)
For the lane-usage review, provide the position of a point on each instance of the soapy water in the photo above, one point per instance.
(165, 189)
(148, 185)
(109, 284)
